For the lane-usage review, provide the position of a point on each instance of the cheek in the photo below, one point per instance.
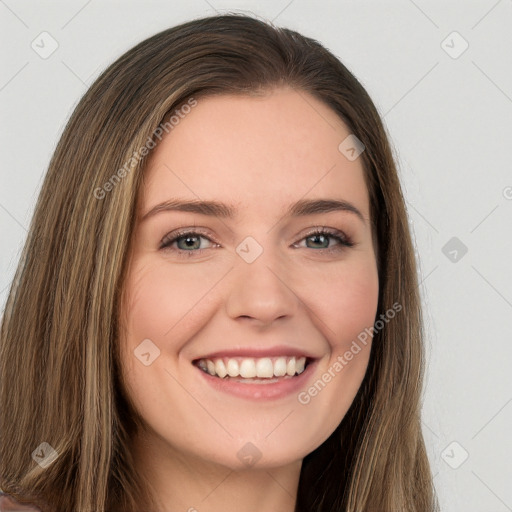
(345, 300)
(160, 298)
(149, 311)
(157, 299)
(163, 304)
(355, 306)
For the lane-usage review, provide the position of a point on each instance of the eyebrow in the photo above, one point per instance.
(301, 208)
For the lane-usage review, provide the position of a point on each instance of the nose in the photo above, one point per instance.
(261, 292)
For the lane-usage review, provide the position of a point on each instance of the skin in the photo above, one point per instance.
(259, 154)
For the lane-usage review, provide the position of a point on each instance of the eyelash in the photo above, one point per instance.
(344, 241)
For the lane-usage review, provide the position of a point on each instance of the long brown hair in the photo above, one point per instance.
(59, 354)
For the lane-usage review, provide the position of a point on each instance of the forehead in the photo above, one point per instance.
(258, 153)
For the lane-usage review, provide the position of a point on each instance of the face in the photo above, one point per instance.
(256, 291)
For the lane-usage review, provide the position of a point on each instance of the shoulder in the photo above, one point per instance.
(8, 504)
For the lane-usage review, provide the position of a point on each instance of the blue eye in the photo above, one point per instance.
(325, 234)
(189, 247)
(188, 242)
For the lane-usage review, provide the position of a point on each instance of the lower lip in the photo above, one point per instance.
(260, 390)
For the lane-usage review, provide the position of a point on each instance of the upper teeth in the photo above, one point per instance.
(248, 367)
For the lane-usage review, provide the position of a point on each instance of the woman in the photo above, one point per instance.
(174, 338)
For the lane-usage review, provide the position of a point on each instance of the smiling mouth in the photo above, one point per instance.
(249, 369)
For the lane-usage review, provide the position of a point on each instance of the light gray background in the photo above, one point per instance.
(450, 120)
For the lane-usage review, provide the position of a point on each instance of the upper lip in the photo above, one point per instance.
(259, 352)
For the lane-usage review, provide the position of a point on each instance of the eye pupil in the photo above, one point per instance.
(190, 241)
(319, 236)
